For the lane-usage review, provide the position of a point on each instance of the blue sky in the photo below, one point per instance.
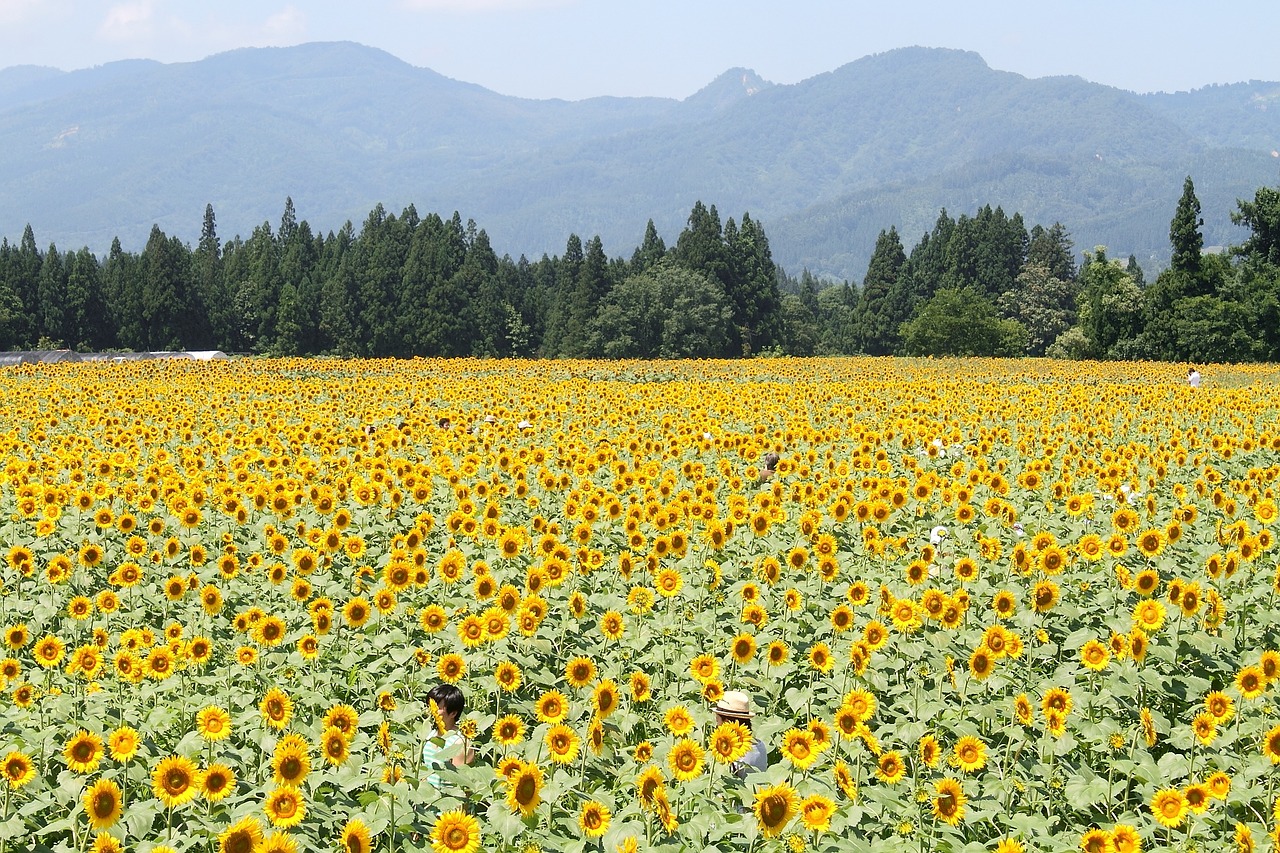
(581, 48)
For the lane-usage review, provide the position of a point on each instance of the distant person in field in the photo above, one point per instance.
(768, 467)
(735, 707)
(1193, 377)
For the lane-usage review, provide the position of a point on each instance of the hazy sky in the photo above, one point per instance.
(580, 48)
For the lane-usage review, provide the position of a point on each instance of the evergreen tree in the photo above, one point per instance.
(211, 286)
(923, 274)
(1052, 249)
(589, 288)
(752, 286)
(11, 312)
(86, 322)
(166, 302)
(1185, 237)
(651, 250)
(1135, 271)
(122, 292)
(26, 282)
(566, 278)
(875, 320)
(51, 300)
(337, 331)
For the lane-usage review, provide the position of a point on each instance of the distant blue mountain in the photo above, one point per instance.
(825, 164)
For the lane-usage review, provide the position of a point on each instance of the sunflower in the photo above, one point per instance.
(579, 671)
(948, 801)
(685, 760)
(816, 811)
(1219, 785)
(508, 730)
(594, 819)
(743, 648)
(335, 746)
(729, 742)
(1096, 841)
(355, 837)
(290, 762)
(357, 611)
(640, 687)
(704, 668)
(648, 783)
(214, 723)
(243, 836)
(552, 707)
(1151, 542)
(981, 663)
(774, 808)
(175, 781)
(123, 743)
(678, 720)
(668, 582)
(83, 751)
(276, 708)
(612, 625)
(455, 832)
(1271, 745)
(798, 748)
(605, 698)
(1251, 682)
(1198, 798)
(1205, 727)
(17, 769)
(451, 668)
(344, 718)
(217, 782)
(562, 743)
(1125, 839)
(970, 754)
(890, 768)
(48, 651)
(1243, 838)
(278, 841)
(1095, 656)
(929, 750)
(285, 806)
(1045, 596)
(102, 804)
(820, 658)
(524, 789)
(1169, 807)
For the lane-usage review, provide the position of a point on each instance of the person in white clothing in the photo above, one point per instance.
(448, 745)
(1193, 377)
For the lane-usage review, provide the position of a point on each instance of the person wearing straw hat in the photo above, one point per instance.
(735, 707)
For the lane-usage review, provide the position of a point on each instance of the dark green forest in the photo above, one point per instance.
(981, 284)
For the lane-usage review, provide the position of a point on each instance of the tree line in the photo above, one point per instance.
(409, 285)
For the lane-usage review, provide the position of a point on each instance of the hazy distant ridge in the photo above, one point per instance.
(824, 164)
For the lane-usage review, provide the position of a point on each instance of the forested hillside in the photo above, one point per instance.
(410, 284)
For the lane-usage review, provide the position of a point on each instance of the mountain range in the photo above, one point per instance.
(824, 164)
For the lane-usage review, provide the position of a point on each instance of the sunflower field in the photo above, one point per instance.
(979, 605)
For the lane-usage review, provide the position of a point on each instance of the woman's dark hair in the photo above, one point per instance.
(448, 698)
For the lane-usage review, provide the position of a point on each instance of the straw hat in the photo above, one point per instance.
(734, 703)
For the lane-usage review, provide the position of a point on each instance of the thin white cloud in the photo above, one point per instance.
(480, 6)
(289, 21)
(14, 11)
(128, 21)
